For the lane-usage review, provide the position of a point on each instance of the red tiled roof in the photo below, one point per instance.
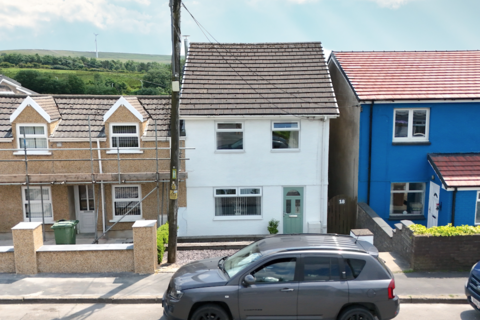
(457, 170)
(412, 74)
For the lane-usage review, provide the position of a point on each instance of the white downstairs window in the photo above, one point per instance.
(407, 198)
(34, 201)
(238, 201)
(125, 199)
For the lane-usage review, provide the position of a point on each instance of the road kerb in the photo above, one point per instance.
(446, 299)
(80, 299)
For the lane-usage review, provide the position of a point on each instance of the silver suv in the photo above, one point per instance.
(305, 276)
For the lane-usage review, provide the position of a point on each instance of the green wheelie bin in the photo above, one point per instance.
(65, 231)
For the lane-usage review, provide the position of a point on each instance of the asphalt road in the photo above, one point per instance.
(154, 311)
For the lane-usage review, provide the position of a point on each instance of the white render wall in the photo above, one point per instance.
(256, 166)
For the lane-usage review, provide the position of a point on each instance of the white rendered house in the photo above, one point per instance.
(259, 132)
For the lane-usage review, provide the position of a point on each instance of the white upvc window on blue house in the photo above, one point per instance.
(411, 125)
(407, 198)
(477, 214)
(238, 201)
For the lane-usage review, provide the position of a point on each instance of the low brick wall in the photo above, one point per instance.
(7, 260)
(29, 256)
(458, 253)
(102, 259)
(424, 253)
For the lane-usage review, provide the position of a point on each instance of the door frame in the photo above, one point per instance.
(77, 208)
(432, 212)
(302, 194)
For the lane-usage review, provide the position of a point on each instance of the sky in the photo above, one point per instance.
(143, 26)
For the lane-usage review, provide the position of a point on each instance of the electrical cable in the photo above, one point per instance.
(203, 30)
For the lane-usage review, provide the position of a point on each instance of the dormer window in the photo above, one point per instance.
(33, 137)
(125, 138)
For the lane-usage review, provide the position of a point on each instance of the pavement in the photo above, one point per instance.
(129, 288)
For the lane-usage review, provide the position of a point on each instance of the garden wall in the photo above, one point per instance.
(29, 256)
(423, 252)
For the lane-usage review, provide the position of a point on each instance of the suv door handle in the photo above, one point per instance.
(286, 290)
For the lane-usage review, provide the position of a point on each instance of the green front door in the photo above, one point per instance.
(293, 210)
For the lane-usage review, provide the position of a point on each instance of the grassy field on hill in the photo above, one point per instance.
(132, 79)
(138, 57)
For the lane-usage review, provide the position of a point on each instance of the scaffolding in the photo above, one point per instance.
(92, 178)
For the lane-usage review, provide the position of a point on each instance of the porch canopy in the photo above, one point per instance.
(457, 170)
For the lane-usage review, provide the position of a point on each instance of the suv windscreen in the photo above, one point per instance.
(241, 259)
(321, 269)
(354, 267)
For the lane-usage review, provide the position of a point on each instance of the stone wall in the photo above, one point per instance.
(424, 253)
(29, 256)
(7, 260)
(96, 260)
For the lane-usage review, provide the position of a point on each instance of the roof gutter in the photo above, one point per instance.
(280, 116)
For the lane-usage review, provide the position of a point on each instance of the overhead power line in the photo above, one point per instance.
(205, 32)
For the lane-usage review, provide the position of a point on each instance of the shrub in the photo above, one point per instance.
(445, 231)
(162, 239)
(273, 226)
(6, 64)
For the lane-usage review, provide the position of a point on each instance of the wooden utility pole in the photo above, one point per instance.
(174, 132)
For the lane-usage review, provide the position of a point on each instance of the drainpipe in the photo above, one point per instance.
(101, 185)
(370, 153)
(454, 200)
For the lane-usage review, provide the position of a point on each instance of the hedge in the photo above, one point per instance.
(445, 231)
(162, 239)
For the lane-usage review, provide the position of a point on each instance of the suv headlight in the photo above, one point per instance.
(174, 292)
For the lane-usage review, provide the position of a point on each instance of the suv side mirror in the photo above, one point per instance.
(249, 279)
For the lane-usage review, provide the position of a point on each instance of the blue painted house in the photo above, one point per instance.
(408, 134)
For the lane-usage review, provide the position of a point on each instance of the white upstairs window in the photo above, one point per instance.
(411, 125)
(125, 138)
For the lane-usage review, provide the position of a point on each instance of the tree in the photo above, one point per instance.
(159, 78)
(75, 85)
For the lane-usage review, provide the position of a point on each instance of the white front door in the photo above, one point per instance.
(433, 201)
(85, 208)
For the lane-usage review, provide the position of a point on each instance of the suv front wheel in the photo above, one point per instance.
(356, 313)
(210, 312)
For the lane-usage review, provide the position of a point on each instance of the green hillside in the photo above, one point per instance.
(132, 79)
(138, 57)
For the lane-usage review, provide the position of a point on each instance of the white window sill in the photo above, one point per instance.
(127, 219)
(125, 151)
(410, 140)
(220, 218)
(284, 150)
(32, 153)
(230, 151)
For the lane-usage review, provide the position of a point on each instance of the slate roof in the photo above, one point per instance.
(412, 74)
(48, 104)
(75, 109)
(257, 79)
(458, 169)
